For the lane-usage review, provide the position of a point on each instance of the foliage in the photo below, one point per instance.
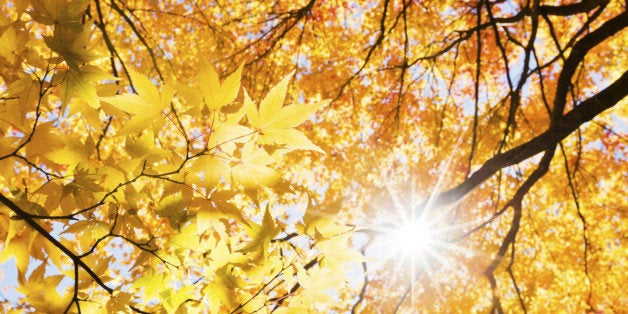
(221, 156)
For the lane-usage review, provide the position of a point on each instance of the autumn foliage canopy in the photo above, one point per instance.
(327, 156)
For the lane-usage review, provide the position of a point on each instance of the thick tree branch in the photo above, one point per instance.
(562, 10)
(31, 222)
(571, 9)
(586, 111)
(580, 49)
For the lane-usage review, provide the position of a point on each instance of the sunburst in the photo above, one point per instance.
(417, 242)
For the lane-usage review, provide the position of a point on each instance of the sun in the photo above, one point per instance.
(410, 240)
(413, 237)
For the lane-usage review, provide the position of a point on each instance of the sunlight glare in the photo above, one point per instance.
(413, 237)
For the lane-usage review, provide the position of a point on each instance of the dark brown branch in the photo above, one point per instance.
(136, 31)
(545, 10)
(580, 49)
(515, 203)
(586, 111)
(571, 9)
(286, 238)
(110, 46)
(403, 299)
(563, 10)
(31, 222)
(514, 280)
(476, 86)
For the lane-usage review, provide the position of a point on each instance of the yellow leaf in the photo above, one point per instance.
(41, 291)
(58, 12)
(73, 152)
(261, 235)
(119, 302)
(336, 252)
(173, 299)
(214, 94)
(217, 293)
(315, 286)
(292, 139)
(55, 255)
(253, 170)
(172, 206)
(17, 244)
(293, 115)
(47, 139)
(321, 220)
(12, 43)
(113, 176)
(187, 238)
(147, 90)
(72, 45)
(270, 106)
(88, 231)
(81, 81)
(274, 121)
(134, 104)
(222, 255)
(152, 282)
(8, 145)
(226, 136)
(146, 107)
(143, 146)
(91, 307)
(210, 170)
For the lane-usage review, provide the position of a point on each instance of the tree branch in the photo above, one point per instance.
(30, 221)
(586, 111)
(580, 49)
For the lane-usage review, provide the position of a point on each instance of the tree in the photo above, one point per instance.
(191, 156)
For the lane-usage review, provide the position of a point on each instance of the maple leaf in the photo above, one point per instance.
(276, 122)
(336, 252)
(73, 152)
(12, 43)
(146, 107)
(88, 231)
(38, 292)
(261, 235)
(210, 170)
(322, 220)
(63, 13)
(172, 206)
(253, 169)
(119, 301)
(16, 244)
(174, 299)
(72, 46)
(210, 93)
(316, 285)
(226, 136)
(152, 282)
(81, 81)
(143, 146)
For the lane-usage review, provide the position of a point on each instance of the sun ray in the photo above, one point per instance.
(444, 170)
(417, 239)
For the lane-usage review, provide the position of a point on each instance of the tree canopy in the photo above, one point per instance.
(280, 156)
